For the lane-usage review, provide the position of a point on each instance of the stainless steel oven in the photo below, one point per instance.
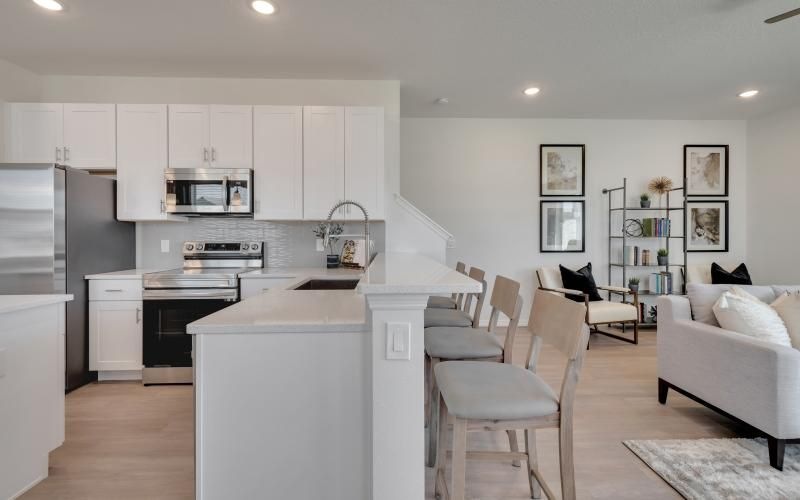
(209, 191)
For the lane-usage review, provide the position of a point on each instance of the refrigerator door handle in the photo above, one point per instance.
(138, 315)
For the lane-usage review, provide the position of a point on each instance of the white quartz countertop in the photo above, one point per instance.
(127, 274)
(404, 273)
(300, 311)
(302, 272)
(11, 303)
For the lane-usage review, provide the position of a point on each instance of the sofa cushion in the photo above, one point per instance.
(739, 276)
(788, 308)
(702, 298)
(740, 312)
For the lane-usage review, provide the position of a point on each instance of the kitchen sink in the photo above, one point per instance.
(331, 284)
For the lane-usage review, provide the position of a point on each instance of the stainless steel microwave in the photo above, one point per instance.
(209, 191)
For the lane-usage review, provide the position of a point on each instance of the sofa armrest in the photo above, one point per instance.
(672, 308)
(755, 381)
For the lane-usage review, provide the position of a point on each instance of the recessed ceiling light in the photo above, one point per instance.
(442, 100)
(748, 93)
(263, 7)
(531, 91)
(49, 4)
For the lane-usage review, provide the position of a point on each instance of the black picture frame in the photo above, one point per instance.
(689, 229)
(725, 169)
(543, 226)
(542, 191)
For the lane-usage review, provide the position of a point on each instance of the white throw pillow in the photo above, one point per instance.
(788, 308)
(740, 312)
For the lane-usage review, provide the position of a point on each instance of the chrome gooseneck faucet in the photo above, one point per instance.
(337, 206)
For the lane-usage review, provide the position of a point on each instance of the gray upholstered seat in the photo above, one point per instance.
(436, 302)
(478, 390)
(461, 343)
(447, 317)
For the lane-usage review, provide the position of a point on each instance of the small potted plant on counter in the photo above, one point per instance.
(663, 256)
(644, 200)
(633, 285)
(335, 230)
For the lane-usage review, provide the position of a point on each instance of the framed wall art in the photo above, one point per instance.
(562, 169)
(563, 227)
(705, 169)
(707, 226)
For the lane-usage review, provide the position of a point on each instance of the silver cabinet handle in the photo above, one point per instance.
(205, 154)
(213, 154)
(66, 153)
(58, 154)
(113, 290)
(138, 315)
(163, 209)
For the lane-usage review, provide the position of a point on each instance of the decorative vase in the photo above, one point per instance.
(633, 288)
(333, 261)
(644, 203)
(663, 260)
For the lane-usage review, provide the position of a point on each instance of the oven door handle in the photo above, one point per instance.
(225, 193)
(173, 294)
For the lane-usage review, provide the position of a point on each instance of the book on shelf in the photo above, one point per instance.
(655, 226)
(661, 283)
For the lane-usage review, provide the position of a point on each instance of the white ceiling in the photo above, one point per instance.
(592, 58)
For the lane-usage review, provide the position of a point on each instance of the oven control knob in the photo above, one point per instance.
(199, 246)
(189, 247)
(254, 247)
(245, 246)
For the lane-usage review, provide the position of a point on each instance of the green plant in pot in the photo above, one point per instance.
(663, 257)
(332, 259)
(644, 200)
(633, 285)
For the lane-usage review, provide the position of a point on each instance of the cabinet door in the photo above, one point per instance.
(35, 133)
(278, 165)
(323, 160)
(363, 160)
(231, 136)
(141, 160)
(188, 136)
(115, 335)
(89, 138)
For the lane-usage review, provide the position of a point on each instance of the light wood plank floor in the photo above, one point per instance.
(125, 441)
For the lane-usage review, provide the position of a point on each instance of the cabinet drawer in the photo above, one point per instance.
(255, 286)
(115, 289)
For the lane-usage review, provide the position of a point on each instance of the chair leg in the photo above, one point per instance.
(567, 465)
(777, 447)
(433, 422)
(440, 482)
(663, 389)
(636, 333)
(530, 449)
(514, 445)
(459, 470)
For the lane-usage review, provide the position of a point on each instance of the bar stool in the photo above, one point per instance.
(451, 302)
(494, 397)
(461, 316)
(471, 343)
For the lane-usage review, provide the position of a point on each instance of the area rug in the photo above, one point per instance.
(721, 469)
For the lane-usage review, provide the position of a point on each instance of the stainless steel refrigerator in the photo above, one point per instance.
(58, 224)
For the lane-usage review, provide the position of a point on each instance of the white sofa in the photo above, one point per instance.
(749, 380)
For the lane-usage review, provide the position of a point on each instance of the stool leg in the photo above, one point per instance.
(512, 443)
(566, 461)
(459, 469)
(433, 422)
(440, 482)
(428, 375)
(530, 449)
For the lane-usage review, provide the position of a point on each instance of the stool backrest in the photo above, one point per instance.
(507, 300)
(462, 268)
(559, 322)
(478, 275)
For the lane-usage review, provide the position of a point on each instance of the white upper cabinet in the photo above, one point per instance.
(189, 136)
(141, 160)
(89, 139)
(202, 136)
(35, 133)
(78, 135)
(231, 136)
(364, 160)
(278, 162)
(323, 160)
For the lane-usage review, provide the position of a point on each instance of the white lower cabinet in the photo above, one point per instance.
(115, 337)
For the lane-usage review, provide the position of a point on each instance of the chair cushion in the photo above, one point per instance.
(702, 298)
(441, 303)
(461, 343)
(493, 391)
(582, 280)
(446, 317)
(611, 312)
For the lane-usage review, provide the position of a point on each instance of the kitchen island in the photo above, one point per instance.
(309, 394)
(32, 330)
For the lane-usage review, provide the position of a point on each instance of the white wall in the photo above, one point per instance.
(16, 84)
(479, 179)
(773, 181)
